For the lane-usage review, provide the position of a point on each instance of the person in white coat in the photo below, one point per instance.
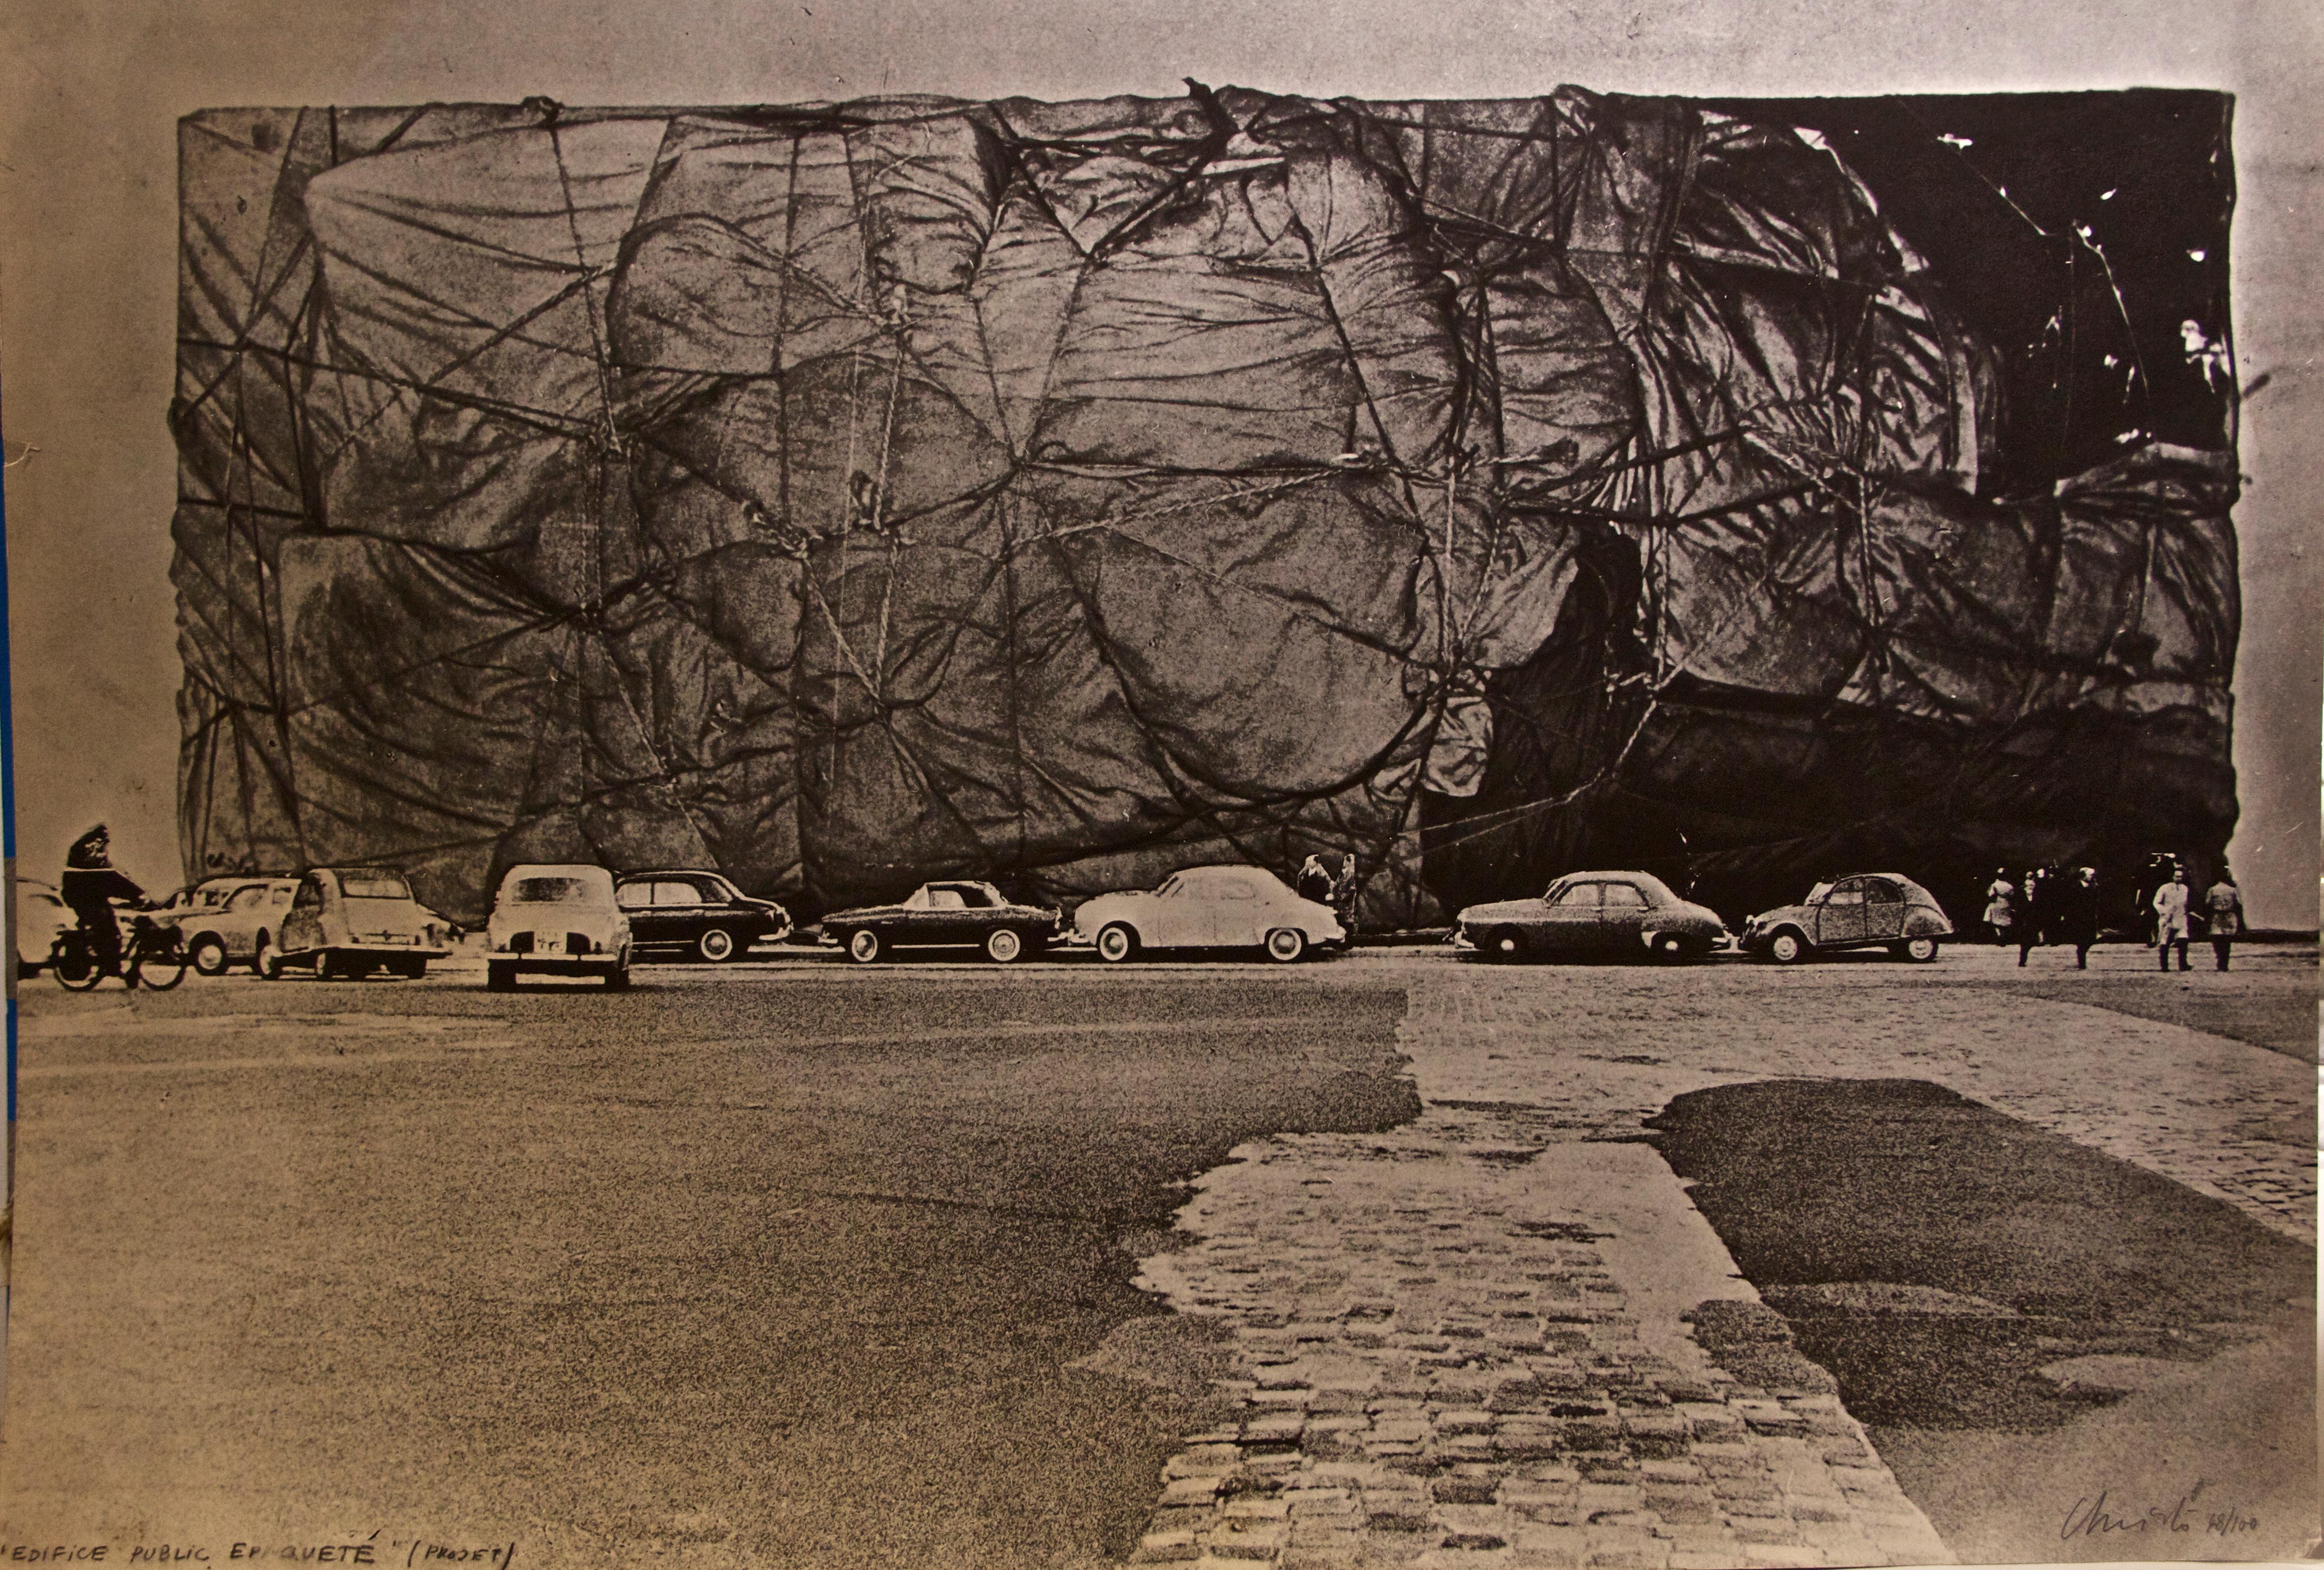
(2000, 906)
(2170, 918)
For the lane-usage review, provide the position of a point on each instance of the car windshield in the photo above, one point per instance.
(1818, 892)
(374, 885)
(550, 891)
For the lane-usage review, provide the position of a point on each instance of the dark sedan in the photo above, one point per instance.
(691, 914)
(1594, 916)
(952, 915)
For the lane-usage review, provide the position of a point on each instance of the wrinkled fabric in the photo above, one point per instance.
(1064, 493)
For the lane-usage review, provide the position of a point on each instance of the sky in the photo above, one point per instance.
(90, 94)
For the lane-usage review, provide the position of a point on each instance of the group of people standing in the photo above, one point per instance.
(2048, 905)
(1320, 883)
(2061, 905)
(2220, 912)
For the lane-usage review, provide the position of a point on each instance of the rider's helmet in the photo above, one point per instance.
(91, 850)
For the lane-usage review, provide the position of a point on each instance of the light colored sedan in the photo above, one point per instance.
(1869, 911)
(345, 922)
(1209, 908)
(239, 929)
(556, 920)
(40, 916)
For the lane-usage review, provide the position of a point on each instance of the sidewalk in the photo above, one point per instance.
(1502, 1335)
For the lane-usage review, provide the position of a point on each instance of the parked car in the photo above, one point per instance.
(205, 897)
(1224, 906)
(1593, 915)
(239, 929)
(954, 915)
(1868, 911)
(695, 913)
(41, 917)
(556, 920)
(344, 922)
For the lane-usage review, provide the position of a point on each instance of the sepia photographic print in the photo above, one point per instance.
(1026, 785)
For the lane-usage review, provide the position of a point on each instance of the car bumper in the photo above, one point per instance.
(385, 950)
(557, 964)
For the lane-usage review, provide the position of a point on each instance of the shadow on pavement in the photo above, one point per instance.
(2061, 1355)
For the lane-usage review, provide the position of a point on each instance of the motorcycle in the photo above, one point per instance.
(152, 954)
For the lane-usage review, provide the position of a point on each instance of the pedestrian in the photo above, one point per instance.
(1344, 891)
(2075, 913)
(2030, 913)
(88, 888)
(2223, 903)
(2000, 906)
(2170, 918)
(2159, 868)
(1314, 881)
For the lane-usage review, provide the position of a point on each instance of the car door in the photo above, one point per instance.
(636, 900)
(679, 909)
(1232, 914)
(1568, 920)
(1621, 912)
(237, 925)
(1884, 910)
(302, 923)
(1167, 921)
(940, 920)
(1841, 919)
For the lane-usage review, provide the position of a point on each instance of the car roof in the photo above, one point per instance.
(1619, 875)
(587, 871)
(673, 872)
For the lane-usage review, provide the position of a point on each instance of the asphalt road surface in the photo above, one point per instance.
(793, 1270)
(785, 1264)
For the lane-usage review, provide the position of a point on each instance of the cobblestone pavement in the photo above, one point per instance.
(1502, 1335)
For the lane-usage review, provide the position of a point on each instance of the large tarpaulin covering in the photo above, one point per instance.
(842, 496)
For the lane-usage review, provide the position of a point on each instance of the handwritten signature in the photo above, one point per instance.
(417, 1551)
(2091, 1516)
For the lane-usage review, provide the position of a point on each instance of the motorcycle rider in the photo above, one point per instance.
(89, 886)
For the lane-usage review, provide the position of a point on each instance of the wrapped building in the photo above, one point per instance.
(841, 495)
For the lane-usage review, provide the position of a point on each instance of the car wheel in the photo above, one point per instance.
(1918, 950)
(1116, 943)
(715, 944)
(1669, 947)
(499, 977)
(265, 962)
(1504, 943)
(617, 980)
(1788, 949)
(208, 954)
(412, 969)
(1287, 945)
(1002, 946)
(864, 945)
